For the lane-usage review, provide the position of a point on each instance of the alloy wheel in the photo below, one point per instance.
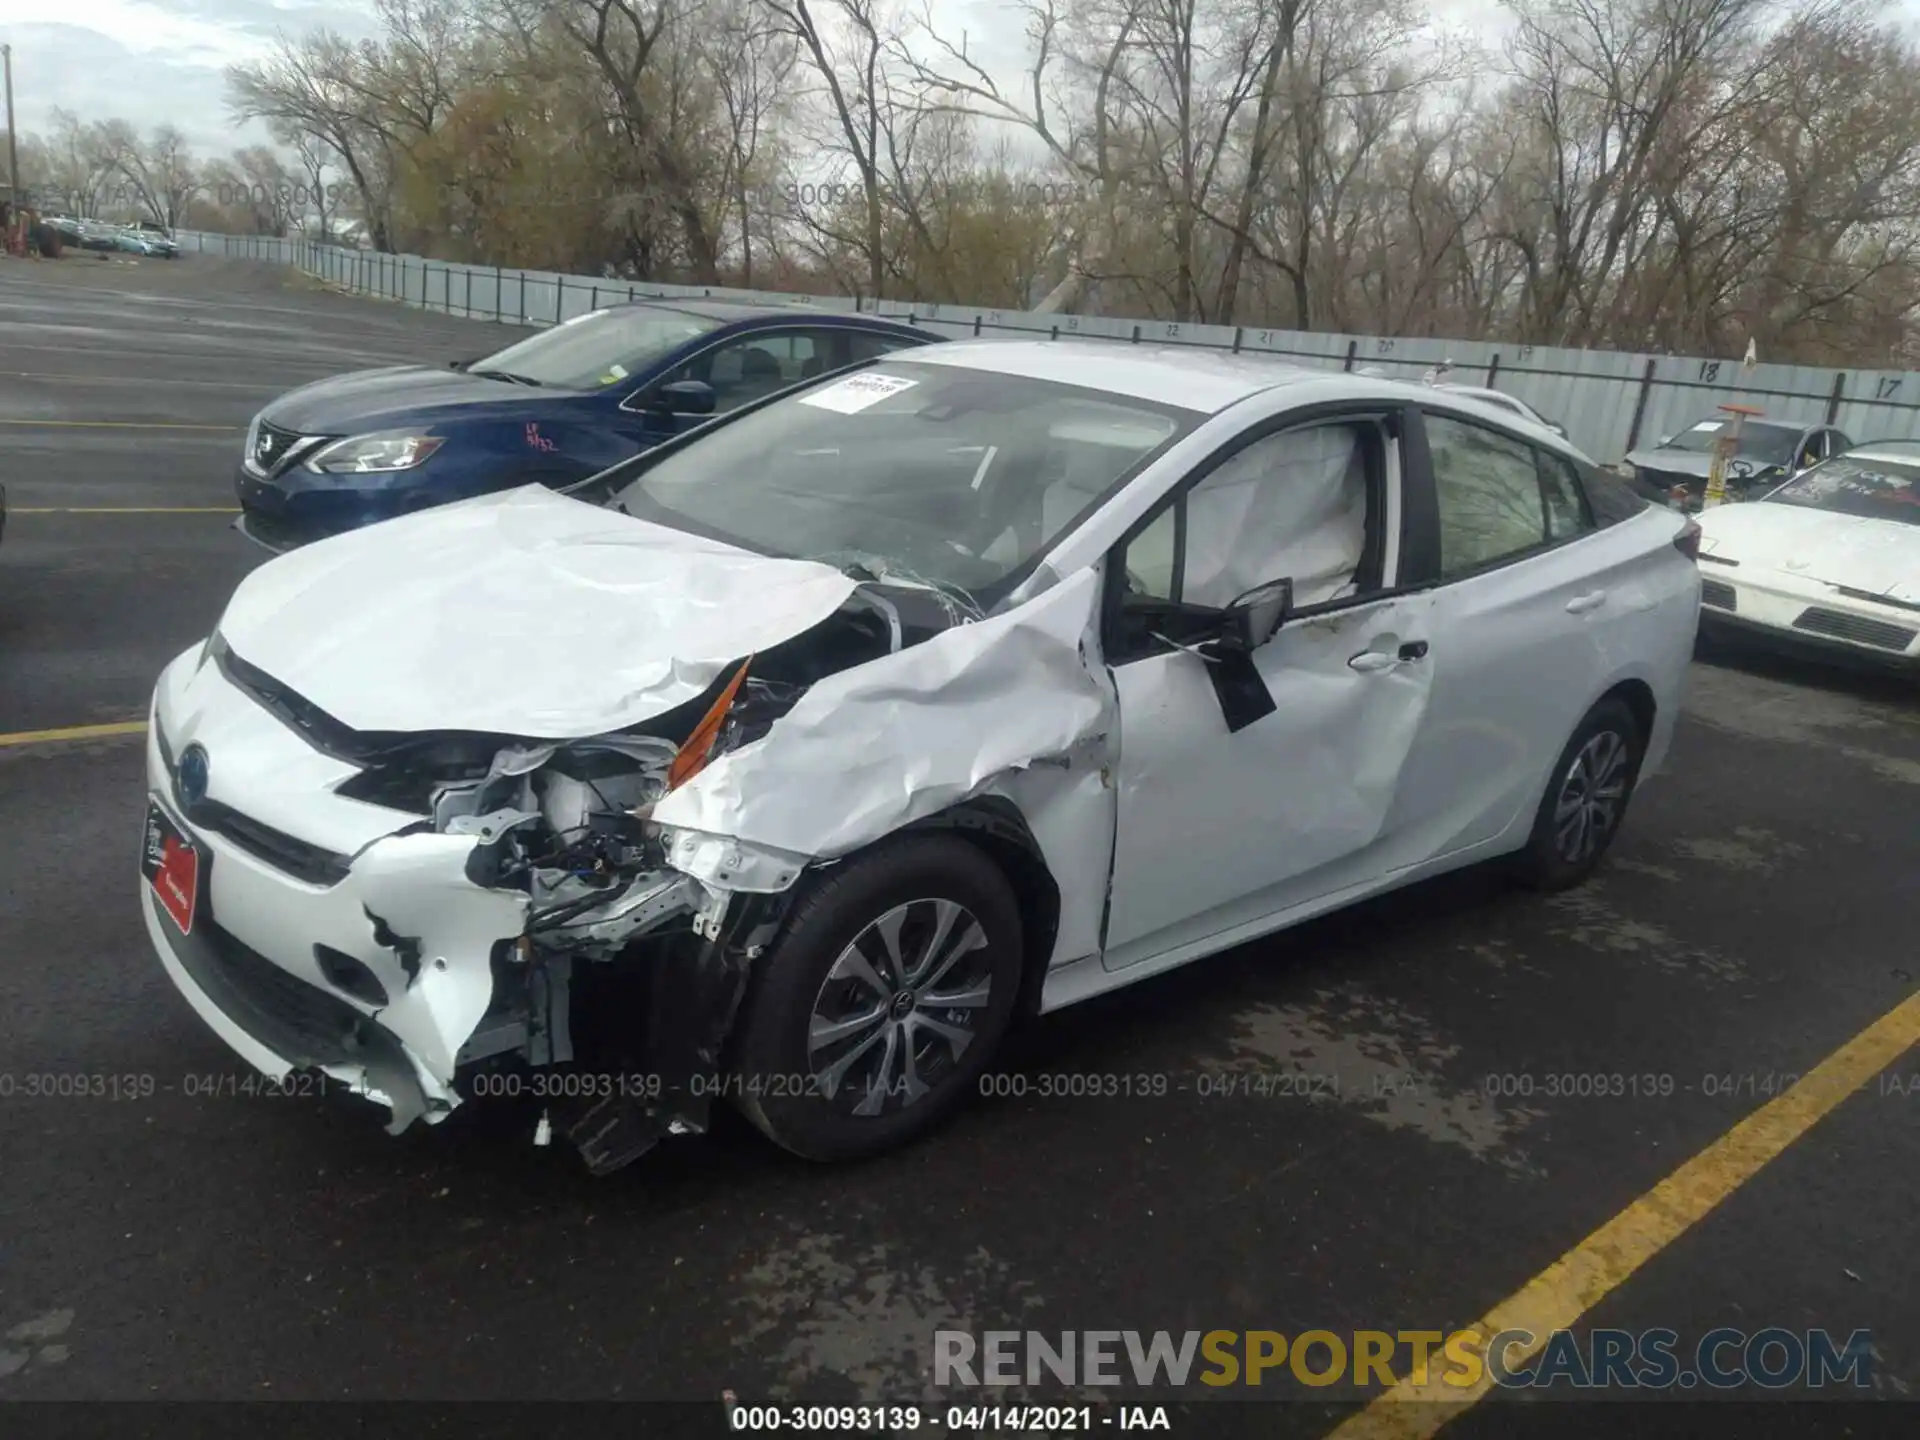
(1591, 794)
(899, 1007)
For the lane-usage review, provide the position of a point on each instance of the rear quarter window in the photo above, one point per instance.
(1610, 497)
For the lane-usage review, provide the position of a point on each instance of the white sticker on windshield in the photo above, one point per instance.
(855, 393)
(1706, 425)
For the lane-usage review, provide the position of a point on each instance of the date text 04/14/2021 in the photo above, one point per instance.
(957, 1419)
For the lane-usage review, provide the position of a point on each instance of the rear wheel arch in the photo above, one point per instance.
(1637, 696)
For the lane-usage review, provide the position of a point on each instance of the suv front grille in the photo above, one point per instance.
(1858, 628)
(273, 847)
(270, 446)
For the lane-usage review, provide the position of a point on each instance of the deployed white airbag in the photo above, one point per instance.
(1293, 505)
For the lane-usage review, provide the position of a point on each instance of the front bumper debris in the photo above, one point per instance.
(401, 977)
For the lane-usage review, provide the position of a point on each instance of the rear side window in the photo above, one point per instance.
(1566, 512)
(1491, 503)
(1611, 498)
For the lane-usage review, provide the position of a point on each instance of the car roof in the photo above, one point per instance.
(733, 311)
(1485, 391)
(1755, 423)
(1184, 376)
(1899, 452)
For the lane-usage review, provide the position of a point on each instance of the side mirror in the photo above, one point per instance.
(458, 364)
(683, 397)
(1251, 620)
(1665, 440)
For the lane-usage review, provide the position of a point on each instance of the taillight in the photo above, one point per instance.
(1687, 542)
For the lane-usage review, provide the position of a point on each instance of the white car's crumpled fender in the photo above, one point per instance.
(900, 738)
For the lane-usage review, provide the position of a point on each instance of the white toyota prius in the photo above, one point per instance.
(792, 761)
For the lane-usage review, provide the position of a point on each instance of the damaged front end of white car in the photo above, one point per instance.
(409, 869)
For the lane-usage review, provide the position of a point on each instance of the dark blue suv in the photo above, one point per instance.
(551, 409)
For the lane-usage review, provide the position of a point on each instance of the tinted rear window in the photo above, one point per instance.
(1611, 497)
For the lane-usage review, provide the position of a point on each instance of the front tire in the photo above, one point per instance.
(875, 1014)
(1586, 799)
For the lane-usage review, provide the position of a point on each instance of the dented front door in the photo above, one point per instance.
(1219, 830)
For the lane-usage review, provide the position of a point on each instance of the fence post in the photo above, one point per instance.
(1640, 405)
(1839, 394)
(1353, 349)
(1237, 333)
(1136, 334)
(559, 298)
(520, 311)
(1493, 370)
(499, 294)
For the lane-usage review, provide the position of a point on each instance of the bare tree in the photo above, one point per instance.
(310, 87)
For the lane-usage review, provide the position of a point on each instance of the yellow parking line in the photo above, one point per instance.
(73, 732)
(121, 425)
(125, 510)
(1558, 1296)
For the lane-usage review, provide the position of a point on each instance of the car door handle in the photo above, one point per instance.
(1581, 604)
(1372, 662)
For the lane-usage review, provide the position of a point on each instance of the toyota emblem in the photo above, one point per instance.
(193, 775)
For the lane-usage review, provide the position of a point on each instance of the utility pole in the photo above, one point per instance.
(15, 206)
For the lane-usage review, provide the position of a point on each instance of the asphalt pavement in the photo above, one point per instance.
(1395, 1118)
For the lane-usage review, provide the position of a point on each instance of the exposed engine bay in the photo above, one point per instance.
(433, 877)
(628, 965)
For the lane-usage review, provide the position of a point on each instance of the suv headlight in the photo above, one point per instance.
(373, 454)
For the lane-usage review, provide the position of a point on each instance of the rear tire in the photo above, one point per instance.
(874, 1015)
(1586, 800)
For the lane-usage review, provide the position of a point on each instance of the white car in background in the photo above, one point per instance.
(1828, 563)
(1504, 401)
(791, 760)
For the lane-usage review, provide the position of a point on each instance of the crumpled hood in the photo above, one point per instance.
(1674, 462)
(1881, 557)
(522, 613)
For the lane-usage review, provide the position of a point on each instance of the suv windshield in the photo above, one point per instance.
(1769, 444)
(931, 472)
(594, 351)
(1857, 485)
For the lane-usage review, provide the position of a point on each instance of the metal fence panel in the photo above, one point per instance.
(1608, 400)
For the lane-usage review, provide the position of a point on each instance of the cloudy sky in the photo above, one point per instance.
(151, 61)
(161, 61)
